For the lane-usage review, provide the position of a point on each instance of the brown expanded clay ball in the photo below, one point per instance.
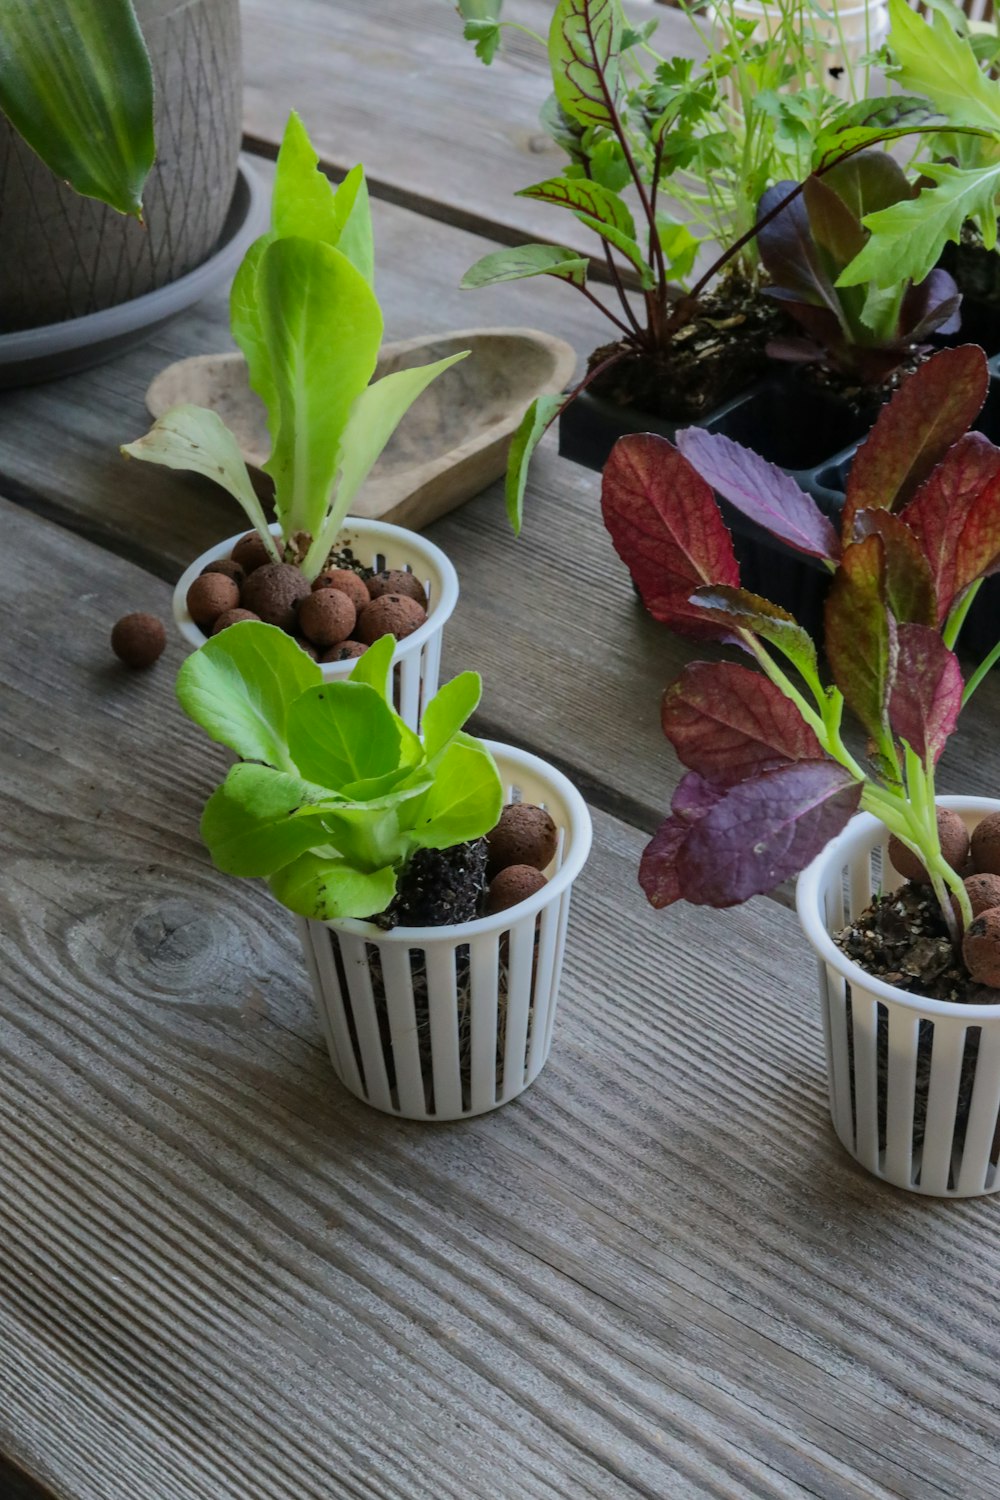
(210, 596)
(390, 614)
(274, 593)
(954, 846)
(347, 581)
(525, 835)
(138, 640)
(981, 948)
(250, 553)
(511, 886)
(326, 617)
(232, 617)
(397, 581)
(983, 891)
(346, 651)
(228, 568)
(986, 846)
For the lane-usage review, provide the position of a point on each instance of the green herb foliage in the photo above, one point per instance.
(305, 315)
(333, 793)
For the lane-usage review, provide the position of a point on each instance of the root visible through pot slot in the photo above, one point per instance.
(422, 1017)
(901, 938)
(925, 1049)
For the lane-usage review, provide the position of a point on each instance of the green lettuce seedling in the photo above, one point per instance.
(309, 324)
(334, 793)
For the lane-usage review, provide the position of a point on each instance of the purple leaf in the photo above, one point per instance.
(789, 252)
(763, 830)
(727, 722)
(955, 517)
(927, 693)
(932, 409)
(932, 306)
(667, 529)
(693, 797)
(761, 491)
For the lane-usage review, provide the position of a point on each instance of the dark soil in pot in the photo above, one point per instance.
(709, 360)
(975, 269)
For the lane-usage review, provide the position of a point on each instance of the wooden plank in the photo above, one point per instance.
(436, 130)
(221, 1277)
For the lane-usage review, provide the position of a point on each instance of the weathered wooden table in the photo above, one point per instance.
(221, 1278)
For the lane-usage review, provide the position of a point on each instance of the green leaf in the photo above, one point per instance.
(738, 607)
(479, 10)
(908, 238)
(306, 204)
(679, 246)
(322, 327)
(632, 36)
(191, 437)
(448, 711)
(464, 803)
(343, 732)
(373, 419)
(76, 83)
(628, 246)
(245, 326)
(529, 434)
(330, 889)
(584, 48)
(563, 129)
(582, 196)
(260, 819)
(932, 60)
(373, 666)
(871, 121)
(486, 35)
(526, 260)
(240, 685)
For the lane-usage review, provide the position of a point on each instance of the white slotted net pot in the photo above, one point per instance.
(443, 1023)
(417, 659)
(914, 1084)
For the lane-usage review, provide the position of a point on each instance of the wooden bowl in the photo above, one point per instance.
(452, 442)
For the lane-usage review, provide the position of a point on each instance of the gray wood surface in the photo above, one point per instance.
(398, 92)
(656, 1275)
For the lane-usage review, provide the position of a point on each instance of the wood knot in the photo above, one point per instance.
(175, 932)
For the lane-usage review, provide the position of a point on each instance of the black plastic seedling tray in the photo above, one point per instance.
(811, 434)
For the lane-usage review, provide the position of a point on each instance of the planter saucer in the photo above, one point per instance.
(452, 442)
(34, 354)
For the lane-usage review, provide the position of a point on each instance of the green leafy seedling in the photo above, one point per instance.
(333, 794)
(304, 314)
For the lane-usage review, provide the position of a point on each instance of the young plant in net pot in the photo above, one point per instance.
(901, 890)
(305, 315)
(430, 876)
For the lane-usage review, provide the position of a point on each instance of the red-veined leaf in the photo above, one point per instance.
(667, 529)
(927, 692)
(727, 722)
(761, 491)
(932, 409)
(692, 798)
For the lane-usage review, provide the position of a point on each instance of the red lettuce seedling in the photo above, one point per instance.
(862, 331)
(771, 780)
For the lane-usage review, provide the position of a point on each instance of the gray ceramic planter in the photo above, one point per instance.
(63, 256)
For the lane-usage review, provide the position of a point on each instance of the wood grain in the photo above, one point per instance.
(436, 130)
(656, 1275)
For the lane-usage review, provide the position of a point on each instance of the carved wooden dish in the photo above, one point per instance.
(452, 442)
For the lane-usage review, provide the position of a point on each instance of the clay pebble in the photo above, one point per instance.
(138, 639)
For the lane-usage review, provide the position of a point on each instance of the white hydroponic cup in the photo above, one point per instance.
(932, 1124)
(843, 36)
(482, 1031)
(377, 544)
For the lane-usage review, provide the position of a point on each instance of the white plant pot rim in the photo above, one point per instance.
(808, 906)
(441, 606)
(426, 937)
